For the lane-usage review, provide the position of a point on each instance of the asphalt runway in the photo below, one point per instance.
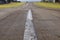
(46, 23)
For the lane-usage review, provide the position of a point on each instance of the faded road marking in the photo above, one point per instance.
(29, 33)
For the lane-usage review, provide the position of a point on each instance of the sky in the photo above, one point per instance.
(29, 0)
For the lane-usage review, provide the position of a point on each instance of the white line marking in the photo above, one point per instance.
(29, 33)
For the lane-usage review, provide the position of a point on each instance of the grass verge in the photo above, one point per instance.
(48, 5)
(10, 5)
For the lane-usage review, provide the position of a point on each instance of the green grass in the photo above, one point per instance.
(48, 5)
(10, 5)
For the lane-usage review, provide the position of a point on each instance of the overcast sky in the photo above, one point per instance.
(29, 0)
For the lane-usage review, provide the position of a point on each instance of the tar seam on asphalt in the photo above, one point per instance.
(29, 33)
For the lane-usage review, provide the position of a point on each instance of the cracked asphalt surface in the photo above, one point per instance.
(46, 23)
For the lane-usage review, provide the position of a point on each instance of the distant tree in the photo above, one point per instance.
(57, 0)
(8, 1)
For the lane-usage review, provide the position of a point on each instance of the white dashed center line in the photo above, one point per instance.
(29, 33)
